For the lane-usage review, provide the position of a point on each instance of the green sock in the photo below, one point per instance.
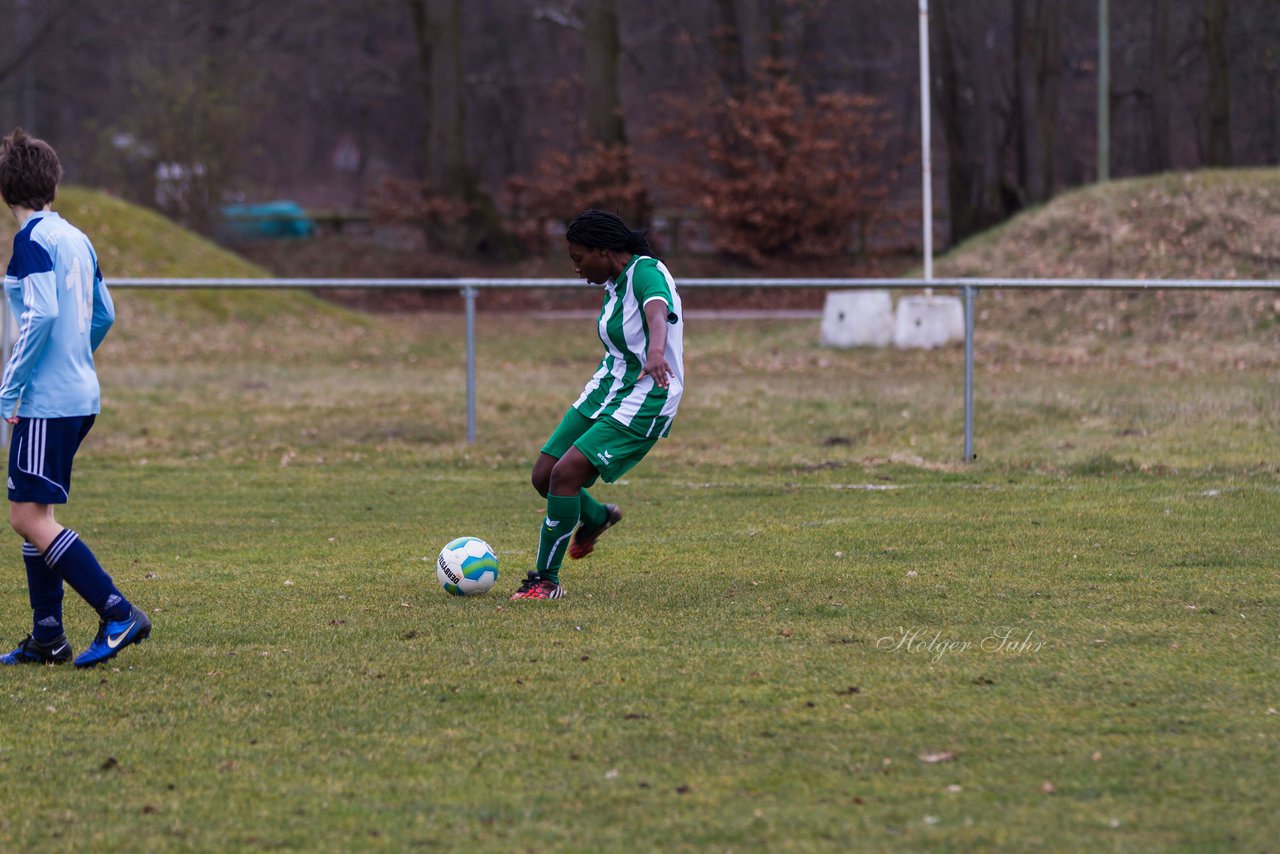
(557, 528)
(591, 511)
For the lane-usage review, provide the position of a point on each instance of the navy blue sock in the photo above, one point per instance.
(71, 559)
(44, 587)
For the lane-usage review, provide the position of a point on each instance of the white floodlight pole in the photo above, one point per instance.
(926, 155)
(927, 181)
(926, 177)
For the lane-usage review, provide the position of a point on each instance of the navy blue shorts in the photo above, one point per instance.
(40, 455)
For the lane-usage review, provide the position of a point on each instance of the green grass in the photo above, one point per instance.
(729, 670)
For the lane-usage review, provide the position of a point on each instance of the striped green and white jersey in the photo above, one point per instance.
(614, 390)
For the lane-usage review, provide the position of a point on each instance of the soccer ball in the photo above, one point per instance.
(467, 567)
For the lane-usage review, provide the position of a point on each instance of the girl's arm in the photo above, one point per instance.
(655, 363)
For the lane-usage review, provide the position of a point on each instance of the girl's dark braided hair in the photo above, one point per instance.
(597, 229)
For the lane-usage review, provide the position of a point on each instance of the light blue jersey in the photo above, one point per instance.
(55, 289)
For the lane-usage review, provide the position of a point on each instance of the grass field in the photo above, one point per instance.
(814, 630)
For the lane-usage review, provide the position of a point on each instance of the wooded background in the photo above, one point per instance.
(784, 126)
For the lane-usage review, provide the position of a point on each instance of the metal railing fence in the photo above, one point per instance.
(469, 289)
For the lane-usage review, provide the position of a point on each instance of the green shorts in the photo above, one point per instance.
(611, 447)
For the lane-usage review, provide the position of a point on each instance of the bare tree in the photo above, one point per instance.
(1038, 61)
(266, 96)
(188, 109)
(1219, 66)
(1159, 147)
(603, 49)
(731, 63)
(745, 38)
(438, 32)
(29, 27)
(966, 90)
(605, 123)
(449, 177)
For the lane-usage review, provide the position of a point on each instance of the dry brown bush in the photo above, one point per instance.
(402, 202)
(778, 173)
(563, 183)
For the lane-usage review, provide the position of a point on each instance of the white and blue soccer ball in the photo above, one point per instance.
(467, 566)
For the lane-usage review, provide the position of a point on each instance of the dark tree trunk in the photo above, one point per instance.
(1215, 48)
(447, 170)
(1035, 99)
(437, 28)
(1159, 145)
(773, 47)
(605, 122)
(731, 63)
(425, 38)
(1049, 88)
(965, 89)
(747, 36)
(1018, 97)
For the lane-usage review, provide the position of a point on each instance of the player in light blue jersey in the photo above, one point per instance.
(49, 393)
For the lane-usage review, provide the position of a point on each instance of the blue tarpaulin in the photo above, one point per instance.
(266, 221)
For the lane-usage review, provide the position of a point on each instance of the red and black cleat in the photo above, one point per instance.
(536, 587)
(584, 540)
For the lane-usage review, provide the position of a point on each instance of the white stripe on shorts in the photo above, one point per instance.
(42, 432)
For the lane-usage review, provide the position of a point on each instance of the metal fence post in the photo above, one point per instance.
(969, 292)
(469, 295)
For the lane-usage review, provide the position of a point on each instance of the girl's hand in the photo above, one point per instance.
(658, 368)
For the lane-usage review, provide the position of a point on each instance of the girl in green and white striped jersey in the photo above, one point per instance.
(626, 406)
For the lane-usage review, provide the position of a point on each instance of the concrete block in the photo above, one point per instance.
(925, 322)
(857, 319)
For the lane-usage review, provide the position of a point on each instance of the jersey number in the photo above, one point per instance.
(80, 281)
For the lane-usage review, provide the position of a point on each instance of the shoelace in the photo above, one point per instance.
(530, 582)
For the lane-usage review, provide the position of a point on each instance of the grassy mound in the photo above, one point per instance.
(1219, 224)
(134, 242)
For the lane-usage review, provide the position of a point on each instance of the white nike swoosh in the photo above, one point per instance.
(59, 649)
(550, 523)
(113, 642)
